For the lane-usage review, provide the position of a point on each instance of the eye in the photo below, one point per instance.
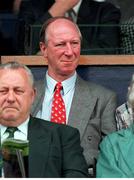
(19, 91)
(75, 43)
(3, 91)
(60, 45)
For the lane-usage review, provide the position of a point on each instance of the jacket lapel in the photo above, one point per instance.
(39, 144)
(82, 106)
(88, 12)
(83, 12)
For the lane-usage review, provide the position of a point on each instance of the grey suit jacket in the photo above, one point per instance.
(92, 113)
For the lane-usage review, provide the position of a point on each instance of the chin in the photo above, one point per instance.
(9, 122)
(10, 117)
(68, 72)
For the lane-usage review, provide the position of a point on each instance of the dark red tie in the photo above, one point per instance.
(58, 112)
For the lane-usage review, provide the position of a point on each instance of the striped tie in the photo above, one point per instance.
(11, 131)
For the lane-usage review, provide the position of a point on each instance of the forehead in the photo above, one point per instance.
(13, 76)
(62, 27)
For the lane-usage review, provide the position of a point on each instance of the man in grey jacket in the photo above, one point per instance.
(89, 107)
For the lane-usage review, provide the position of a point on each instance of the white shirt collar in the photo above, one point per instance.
(67, 84)
(22, 127)
(77, 6)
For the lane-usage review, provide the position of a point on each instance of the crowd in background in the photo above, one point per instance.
(106, 26)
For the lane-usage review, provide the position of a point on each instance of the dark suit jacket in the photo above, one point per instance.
(92, 113)
(54, 150)
(102, 34)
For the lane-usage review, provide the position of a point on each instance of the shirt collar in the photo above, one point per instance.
(77, 6)
(22, 127)
(68, 84)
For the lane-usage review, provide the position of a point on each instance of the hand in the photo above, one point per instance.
(67, 4)
(60, 7)
(16, 6)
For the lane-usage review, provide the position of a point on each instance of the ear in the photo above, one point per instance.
(43, 49)
(34, 92)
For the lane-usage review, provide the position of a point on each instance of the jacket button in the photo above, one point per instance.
(89, 138)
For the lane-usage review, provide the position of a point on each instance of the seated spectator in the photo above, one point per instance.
(89, 107)
(116, 150)
(98, 21)
(124, 113)
(54, 150)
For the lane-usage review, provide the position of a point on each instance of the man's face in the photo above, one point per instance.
(62, 49)
(16, 96)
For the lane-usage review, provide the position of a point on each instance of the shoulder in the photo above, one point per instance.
(54, 127)
(108, 9)
(95, 88)
(118, 137)
(109, 5)
(101, 89)
(103, 4)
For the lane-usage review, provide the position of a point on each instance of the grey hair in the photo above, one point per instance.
(130, 94)
(16, 65)
(43, 32)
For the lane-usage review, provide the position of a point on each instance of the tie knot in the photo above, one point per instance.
(72, 14)
(11, 131)
(58, 86)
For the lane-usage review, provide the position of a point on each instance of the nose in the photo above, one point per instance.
(69, 49)
(11, 96)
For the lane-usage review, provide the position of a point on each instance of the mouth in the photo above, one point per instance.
(10, 108)
(67, 61)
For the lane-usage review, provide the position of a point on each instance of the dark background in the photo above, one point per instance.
(126, 7)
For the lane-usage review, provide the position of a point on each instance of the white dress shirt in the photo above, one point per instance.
(67, 95)
(21, 133)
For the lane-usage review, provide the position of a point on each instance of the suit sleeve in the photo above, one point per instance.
(74, 164)
(107, 163)
(108, 122)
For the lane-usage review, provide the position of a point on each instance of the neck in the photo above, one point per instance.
(60, 78)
